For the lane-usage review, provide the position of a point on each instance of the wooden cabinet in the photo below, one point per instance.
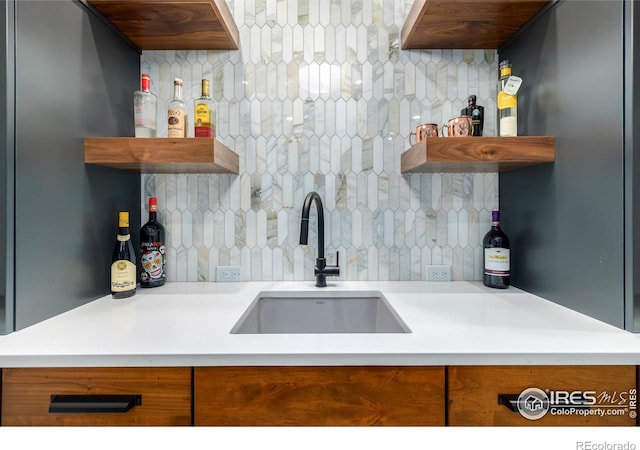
(323, 396)
(477, 154)
(333, 396)
(96, 396)
(173, 24)
(161, 155)
(482, 24)
(577, 395)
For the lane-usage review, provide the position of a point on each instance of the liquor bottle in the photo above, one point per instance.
(204, 114)
(507, 104)
(152, 249)
(497, 265)
(123, 261)
(177, 113)
(144, 109)
(477, 115)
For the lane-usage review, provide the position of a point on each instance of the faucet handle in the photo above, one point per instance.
(337, 258)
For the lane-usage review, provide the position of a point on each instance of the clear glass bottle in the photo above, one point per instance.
(144, 109)
(507, 104)
(477, 115)
(497, 263)
(204, 114)
(177, 118)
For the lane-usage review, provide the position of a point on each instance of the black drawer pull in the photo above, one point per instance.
(93, 403)
(509, 400)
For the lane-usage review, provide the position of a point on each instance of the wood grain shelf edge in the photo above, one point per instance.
(477, 154)
(161, 155)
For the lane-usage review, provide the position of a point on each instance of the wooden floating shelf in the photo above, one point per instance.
(161, 155)
(460, 24)
(477, 154)
(173, 24)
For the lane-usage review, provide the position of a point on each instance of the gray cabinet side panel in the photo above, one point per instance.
(74, 78)
(632, 164)
(565, 220)
(6, 166)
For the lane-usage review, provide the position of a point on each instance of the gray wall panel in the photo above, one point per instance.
(632, 165)
(6, 168)
(75, 78)
(565, 220)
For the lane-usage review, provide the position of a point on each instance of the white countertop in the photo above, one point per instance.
(188, 324)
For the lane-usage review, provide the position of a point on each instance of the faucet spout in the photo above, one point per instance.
(312, 197)
(321, 269)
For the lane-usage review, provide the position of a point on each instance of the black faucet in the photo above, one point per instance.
(321, 269)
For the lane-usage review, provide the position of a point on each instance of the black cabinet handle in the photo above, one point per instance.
(93, 403)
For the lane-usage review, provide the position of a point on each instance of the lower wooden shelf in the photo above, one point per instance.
(477, 154)
(161, 155)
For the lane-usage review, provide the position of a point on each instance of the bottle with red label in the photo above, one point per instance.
(152, 249)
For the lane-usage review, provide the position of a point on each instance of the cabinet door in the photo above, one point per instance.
(542, 395)
(319, 396)
(96, 396)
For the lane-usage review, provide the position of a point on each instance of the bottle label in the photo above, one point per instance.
(123, 276)
(203, 121)
(496, 262)
(152, 261)
(176, 123)
(512, 85)
(506, 101)
(509, 126)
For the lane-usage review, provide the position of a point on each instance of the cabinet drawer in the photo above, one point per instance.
(549, 395)
(162, 396)
(319, 396)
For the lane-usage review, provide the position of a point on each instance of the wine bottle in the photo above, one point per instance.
(123, 261)
(177, 113)
(497, 265)
(152, 249)
(204, 115)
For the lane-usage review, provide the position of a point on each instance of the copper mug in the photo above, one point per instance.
(458, 126)
(424, 131)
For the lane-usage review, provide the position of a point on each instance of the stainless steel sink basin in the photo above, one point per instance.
(320, 312)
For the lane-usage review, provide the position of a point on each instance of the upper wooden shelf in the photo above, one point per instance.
(173, 24)
(461, 24)
(161, 155)
(477, 154)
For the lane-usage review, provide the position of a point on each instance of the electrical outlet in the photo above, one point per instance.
(226, 274)
(439, 272)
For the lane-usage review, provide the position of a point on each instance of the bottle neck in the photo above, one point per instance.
(145, 84)
(123, 234)
(205, 89)
(153, 216)
(177, 92)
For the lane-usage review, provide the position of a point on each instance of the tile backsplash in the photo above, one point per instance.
(320, 97)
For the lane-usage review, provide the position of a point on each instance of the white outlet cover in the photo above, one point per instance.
(228, 274)
(438, 272)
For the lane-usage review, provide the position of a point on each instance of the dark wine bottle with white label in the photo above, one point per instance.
(497, 262)
(123, 261)
(153, 259)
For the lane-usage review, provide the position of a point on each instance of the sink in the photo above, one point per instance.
(320, 312)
